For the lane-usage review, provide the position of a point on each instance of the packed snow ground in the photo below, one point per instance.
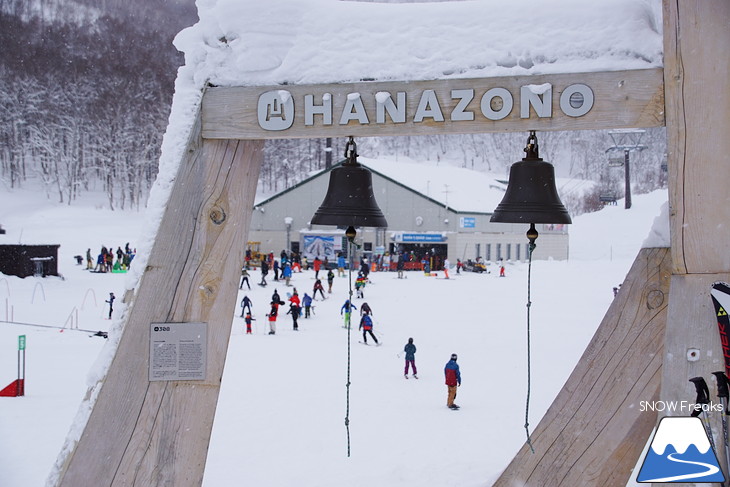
(280, 417)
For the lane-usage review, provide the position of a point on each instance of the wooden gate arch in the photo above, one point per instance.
(156, 432)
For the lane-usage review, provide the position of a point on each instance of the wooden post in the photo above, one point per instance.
(696, 73)
(594, 431)
(143, 432)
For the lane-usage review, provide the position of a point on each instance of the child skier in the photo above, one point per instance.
(318, 287)
(347, 309)
(360, 284)
(366, 324)
(249, 319)
(410, 350)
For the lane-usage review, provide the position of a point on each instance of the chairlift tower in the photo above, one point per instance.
(626, 141)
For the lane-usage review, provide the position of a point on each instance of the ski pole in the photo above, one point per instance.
(723, 392)
(703, 398)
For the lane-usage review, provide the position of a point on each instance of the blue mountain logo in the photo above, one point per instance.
(680, 452)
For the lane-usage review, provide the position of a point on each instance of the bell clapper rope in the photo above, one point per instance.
(531, 236)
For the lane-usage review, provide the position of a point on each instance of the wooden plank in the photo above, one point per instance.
(157, 433)
(622, 99)
(691, 324)
(696, 71)
(594, 431)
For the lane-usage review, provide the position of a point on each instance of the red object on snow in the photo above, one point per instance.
(14, 389)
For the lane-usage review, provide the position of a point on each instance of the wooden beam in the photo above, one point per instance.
(622, 99)
(157, 433)
(594, 431)
(696, 74)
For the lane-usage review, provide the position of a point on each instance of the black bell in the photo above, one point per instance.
(349, 201)
(531, 195)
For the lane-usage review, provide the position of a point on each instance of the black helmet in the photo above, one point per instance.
(453, 356)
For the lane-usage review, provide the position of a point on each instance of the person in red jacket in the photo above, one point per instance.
(317, 264)
(453, 380)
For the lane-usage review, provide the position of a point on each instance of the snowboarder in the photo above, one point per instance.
(453, 380)
(245, 303)
(410, 350)
(347, 309)
(249, 319)
(307, 303)
(111, 304)
(244, 278)
(318, 287)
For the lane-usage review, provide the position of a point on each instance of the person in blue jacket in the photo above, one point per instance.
(347, 309)
(340, 265)
(307, 303)
(453, 380)
(366, 324)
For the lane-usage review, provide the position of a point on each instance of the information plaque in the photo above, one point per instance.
(178, 351)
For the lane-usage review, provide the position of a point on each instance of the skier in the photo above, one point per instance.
(307, 303)
(459, 265)
(410, 350)
(501, 270)
(272, 316)
(360, 284)
(365, 309)
(447, 264)
(318, 287)
(245, 303)
(249, 319)
(347, 309)
(453, 380)
(111, 304)
(294, 311)
(366, 324)
(330, 280)
(244, 278)
(317, 264)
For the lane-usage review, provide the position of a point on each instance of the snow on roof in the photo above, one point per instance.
(250, 42)
(464, 190)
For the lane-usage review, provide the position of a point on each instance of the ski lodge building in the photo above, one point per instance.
(442, 211)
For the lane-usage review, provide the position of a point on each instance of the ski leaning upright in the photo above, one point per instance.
(720, 294)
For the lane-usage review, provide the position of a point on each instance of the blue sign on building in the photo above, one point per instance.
(422, 237)
(467, 222)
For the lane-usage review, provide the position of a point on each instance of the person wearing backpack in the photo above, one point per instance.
(366, 324)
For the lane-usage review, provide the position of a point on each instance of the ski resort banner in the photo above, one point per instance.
(388, 108)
